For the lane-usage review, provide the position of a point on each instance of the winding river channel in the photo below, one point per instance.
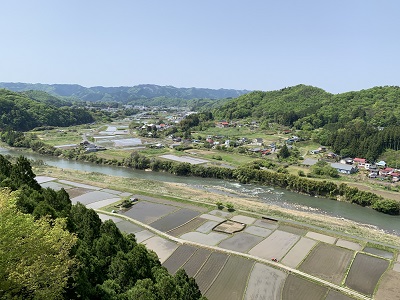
(269, 195)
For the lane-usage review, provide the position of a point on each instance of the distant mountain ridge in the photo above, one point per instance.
(124, 94)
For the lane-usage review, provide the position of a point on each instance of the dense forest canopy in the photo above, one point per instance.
(78, 257)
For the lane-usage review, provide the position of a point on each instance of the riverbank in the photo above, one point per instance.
(183, 192)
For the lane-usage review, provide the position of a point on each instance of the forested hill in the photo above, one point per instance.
(124, 94)
(24, 111)
(307, 107)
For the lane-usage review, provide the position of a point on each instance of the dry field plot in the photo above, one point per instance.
(92, 196)
(299, 251)
(212, 238)
(212, 218)
(174, 219)
(170, 203)
(196, 261)
(297, 288)
(231, 282)
(334, 295)
(164, 248)
(56, 186)
(379, 252)
(128, 227)
(265, 283)
(275, 246)
(259, 231)
(75, 192)
(292, 229)
(210, 270)
(240, 242)
(102, 203)
(143, 235)
(365, 272)
(327, 262)
(321, 237)
(389, 288)
(349, 245)
(220, 213)
(104, 217)
(266, 224)
(80, 185)
(190, 226)
(207, 227)
(229, 227)
(179, 258)
(243, 219)
(148, 212)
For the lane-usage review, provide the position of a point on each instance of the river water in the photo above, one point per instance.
(269, 195)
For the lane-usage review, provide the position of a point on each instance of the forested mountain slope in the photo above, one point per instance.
(149, 94)
(33, 109)
(306, 105)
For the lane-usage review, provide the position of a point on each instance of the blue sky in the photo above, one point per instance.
(338, 45)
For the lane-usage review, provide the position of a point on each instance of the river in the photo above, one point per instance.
(269, 195)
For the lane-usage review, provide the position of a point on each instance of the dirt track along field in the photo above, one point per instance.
(210, 270)
(190, 226)
(231, 281)
(275, 246)
(174, 219)
(265, 283)
(179, 258)
(327, 262)
(297, 288)
(299, 251)
(193, 265)
(365, 272)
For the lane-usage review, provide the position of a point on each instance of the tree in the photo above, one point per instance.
(284, 152)
(34, 254)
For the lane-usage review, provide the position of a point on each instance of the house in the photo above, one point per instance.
(322, 149)
(386, 171)
(258, 141)
(381, 164)
(347, 160)
(314, 151)
(344, 168)
(359, 161)
(331, 155)
(222, 124)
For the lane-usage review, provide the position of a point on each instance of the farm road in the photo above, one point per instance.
(290, 270)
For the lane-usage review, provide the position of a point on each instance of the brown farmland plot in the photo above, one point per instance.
(189, 226)
(265, 283)
(334, 295)
(389, 287)
(196, 261)
(240, 242)
(327, 262)
(365, 272)
(275, 246)
(148, 212)
(178, 258)
(231, 282)
(210, 270)
(174, 219)
(299, 251)
(297, 288)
